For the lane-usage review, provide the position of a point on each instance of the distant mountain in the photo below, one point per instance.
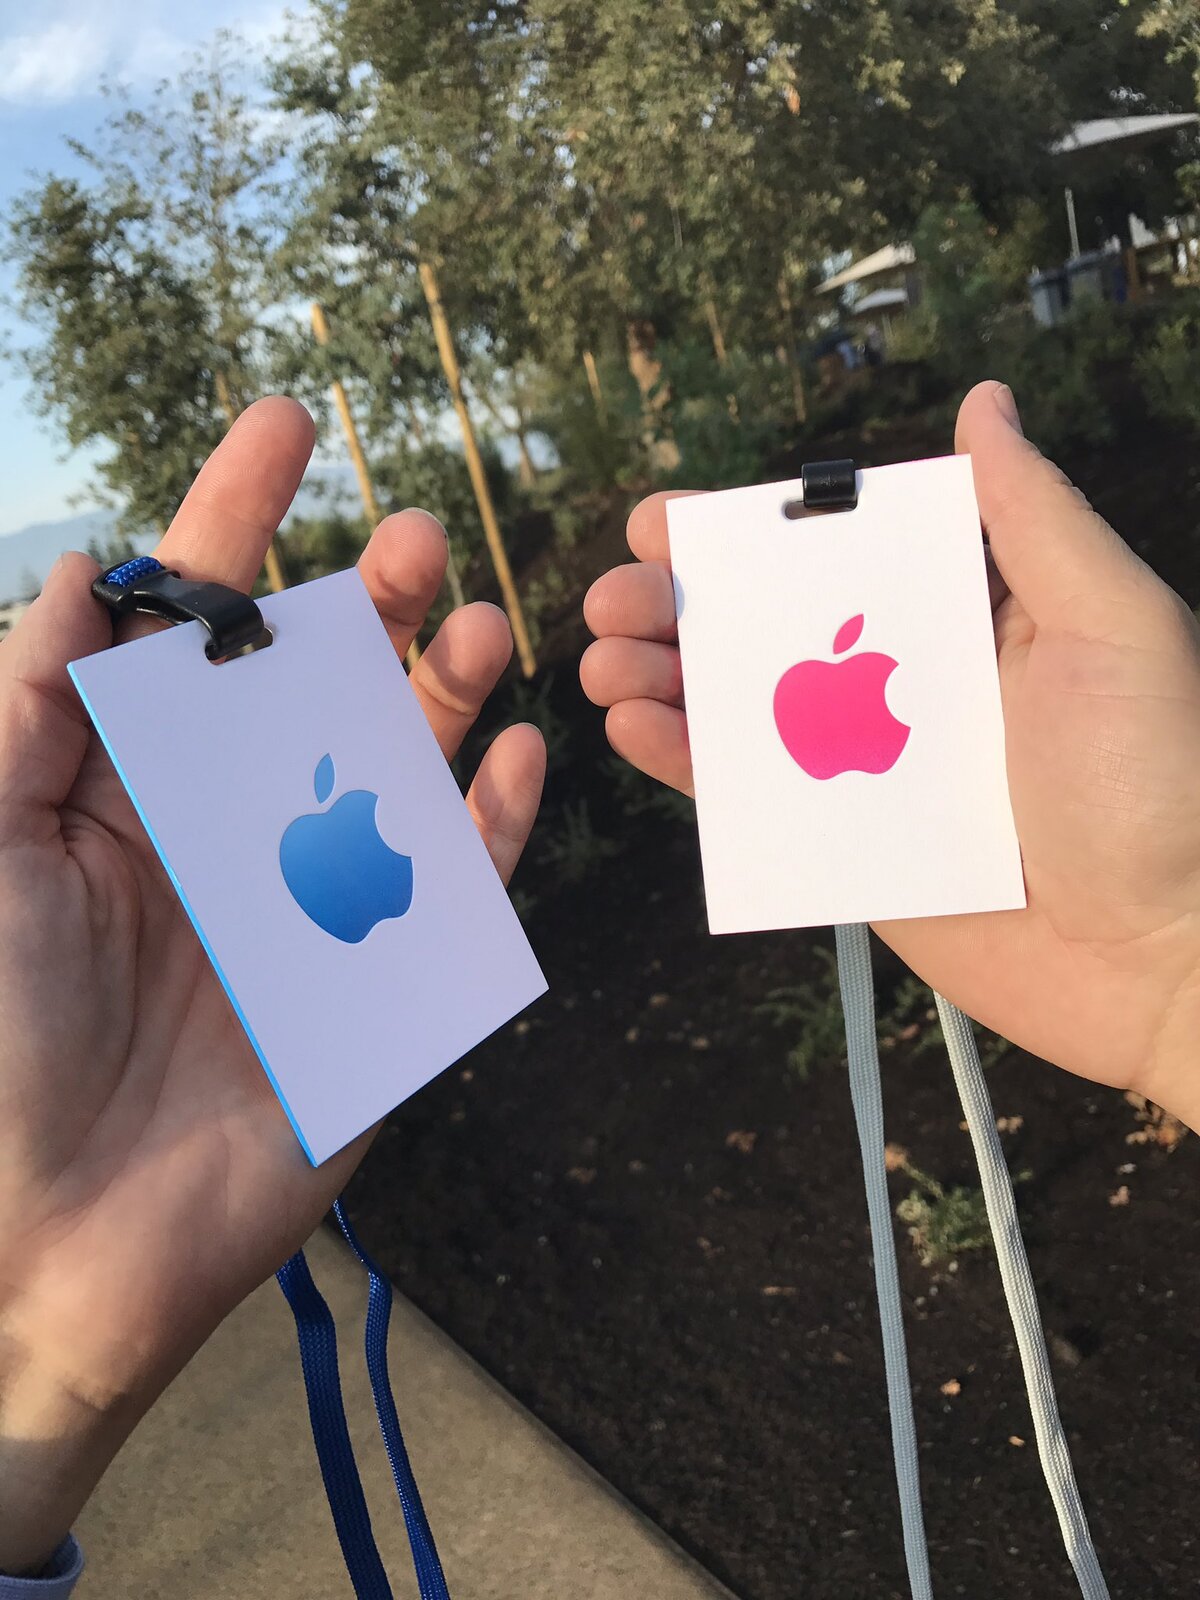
(27, 555)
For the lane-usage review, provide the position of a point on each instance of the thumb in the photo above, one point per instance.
(1062, 561)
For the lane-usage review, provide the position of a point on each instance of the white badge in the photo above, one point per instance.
(843, 703)
(320, 846)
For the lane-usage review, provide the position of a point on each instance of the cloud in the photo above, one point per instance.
(135, 43)
(62, 61)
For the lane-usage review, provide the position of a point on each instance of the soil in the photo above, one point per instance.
(694, 1311)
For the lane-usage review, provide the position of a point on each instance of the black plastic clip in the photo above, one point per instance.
(829, 485)
(235, 624)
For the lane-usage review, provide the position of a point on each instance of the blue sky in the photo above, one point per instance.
(53, 56)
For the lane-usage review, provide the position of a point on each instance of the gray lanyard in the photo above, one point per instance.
(858, 1005)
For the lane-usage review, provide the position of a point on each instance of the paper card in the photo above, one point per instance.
(843, 703)
(322, 850)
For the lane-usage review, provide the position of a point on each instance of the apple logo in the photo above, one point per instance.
(337, 866)
(833, 715)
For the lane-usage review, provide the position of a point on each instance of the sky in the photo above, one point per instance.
(53, 58)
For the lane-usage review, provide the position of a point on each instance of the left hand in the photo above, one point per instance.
(149, 1179)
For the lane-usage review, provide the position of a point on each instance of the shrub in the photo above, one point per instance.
(814, 1008)
(1169, 370)
(575, 848)
(942, 1223)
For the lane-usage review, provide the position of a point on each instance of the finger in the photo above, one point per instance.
(44, 728)
(1061, 560)
(636, 602)
(998, 590)
(241, 495)
(460, 669)
(646, 530)
(631, 669)
(403, 567)
(504, 797)
(653, 738)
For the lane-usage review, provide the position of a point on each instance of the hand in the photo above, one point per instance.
(148, 1176)
(1100, 676)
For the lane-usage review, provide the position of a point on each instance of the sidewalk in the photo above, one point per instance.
(217, 1496)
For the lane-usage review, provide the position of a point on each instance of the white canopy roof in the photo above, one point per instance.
(889, 259)
(1120, 130)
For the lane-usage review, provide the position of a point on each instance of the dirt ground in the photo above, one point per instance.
(649, 1226)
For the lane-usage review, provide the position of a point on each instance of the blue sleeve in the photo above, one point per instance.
(60, 1576)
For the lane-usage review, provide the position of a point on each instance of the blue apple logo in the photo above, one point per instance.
(337, 866)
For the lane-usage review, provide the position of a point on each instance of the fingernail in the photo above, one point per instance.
(1007, 406)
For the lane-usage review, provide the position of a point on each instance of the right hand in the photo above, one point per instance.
(1100, 677)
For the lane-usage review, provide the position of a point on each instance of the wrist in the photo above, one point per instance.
(55, 1445)
(1173, 1080)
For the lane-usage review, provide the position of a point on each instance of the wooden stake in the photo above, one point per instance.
(719, 348)
(714, 327)
(483, 494)
(593, 378)
(799, 398)
(276, 578)
(357, 459)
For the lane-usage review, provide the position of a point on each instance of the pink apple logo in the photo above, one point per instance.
(833, 715)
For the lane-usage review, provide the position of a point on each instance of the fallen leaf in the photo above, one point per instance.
(951, 1387)
(895, 1157)
(777, 1289)
(583, 1175)
(1015, 1438)
(1120, 1197)
(742, 1140)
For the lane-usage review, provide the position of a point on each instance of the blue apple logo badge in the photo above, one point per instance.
(338, 867)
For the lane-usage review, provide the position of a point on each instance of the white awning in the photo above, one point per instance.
(1120, 131)
(890, 259)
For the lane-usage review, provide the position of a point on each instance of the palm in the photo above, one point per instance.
(1100, 676)
(1099, 731)
(145, 1164)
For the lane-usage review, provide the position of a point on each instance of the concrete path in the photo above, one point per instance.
(218, 1497)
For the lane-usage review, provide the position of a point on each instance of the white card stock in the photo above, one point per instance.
(843, 703)
(321, 848)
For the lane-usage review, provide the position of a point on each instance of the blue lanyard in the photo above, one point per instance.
(317, 1337)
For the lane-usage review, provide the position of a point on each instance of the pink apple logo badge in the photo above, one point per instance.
(833, 715)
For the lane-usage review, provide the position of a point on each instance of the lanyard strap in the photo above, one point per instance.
(858, 1004)
(430, 1577)
(866, 1094)
(317, 1336)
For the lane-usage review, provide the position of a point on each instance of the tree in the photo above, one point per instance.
(146, 284)
(125, 356)
(603, 175)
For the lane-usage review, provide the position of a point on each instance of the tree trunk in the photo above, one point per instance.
(526, 471)
(483, 493)
(788, 350)
(719, 347)
(646, 370)
(593, 378)
(357, 459)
